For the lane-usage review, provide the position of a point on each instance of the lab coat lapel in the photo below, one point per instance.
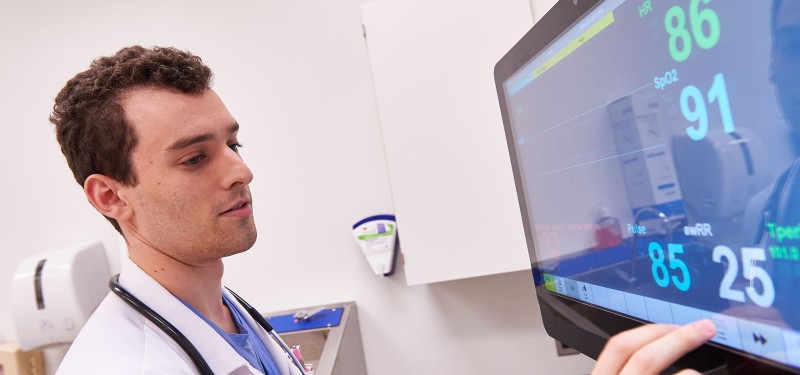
(221, 357)
(282, 360)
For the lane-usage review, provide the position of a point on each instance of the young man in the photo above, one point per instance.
(155, 150)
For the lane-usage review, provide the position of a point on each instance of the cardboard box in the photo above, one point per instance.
(14, 361)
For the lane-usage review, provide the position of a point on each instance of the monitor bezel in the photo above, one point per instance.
(584, 327)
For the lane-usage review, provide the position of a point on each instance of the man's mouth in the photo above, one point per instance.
(238, 206)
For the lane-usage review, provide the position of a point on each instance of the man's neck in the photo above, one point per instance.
(198, 285)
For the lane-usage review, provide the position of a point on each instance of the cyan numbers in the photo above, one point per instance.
(693, 107)
(661, 273)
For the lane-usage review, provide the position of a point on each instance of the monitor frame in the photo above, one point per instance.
(584, 327)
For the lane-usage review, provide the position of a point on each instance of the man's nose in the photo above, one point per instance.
(235, 170)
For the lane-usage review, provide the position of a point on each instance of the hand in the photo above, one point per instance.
(651, 348)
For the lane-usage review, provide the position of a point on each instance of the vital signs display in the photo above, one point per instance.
(655, 148)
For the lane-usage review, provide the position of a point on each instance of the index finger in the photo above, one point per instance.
(659, 354)
(621, 347)
(650, 349)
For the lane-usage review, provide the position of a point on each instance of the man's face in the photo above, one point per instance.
(785, 66)
(192, 201)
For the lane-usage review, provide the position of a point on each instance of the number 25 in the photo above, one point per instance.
(750, 271)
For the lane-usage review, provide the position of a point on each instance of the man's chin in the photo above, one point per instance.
(235, 251)
(247, 241)
(237, 239)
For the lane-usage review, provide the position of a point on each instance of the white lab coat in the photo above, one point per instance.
(119, 340)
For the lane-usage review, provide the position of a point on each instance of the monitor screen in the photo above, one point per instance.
(654, 148)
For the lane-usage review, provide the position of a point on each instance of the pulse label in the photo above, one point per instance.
(636, 229)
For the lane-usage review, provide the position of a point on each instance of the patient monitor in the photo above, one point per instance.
(667, 113)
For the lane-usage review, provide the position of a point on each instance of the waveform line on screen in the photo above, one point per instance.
(599, 160)
(605, 149)
(599, 115)
(591, 110)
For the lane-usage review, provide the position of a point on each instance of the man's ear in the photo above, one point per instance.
(103, 193)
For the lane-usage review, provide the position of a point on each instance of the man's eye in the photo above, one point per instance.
(235, 147)
(194, 161)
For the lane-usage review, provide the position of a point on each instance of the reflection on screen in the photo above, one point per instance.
(656, 146)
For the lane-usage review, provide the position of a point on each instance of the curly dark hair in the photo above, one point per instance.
(89, 119)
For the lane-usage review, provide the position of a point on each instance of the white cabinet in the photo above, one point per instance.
(432, 65)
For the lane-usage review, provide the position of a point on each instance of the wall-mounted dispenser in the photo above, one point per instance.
(376, 236)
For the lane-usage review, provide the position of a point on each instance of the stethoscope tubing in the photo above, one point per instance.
(184, 342)
(161, 323)
(268, 327)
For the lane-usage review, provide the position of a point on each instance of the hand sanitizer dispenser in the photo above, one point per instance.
(54, 293)
(376, 236)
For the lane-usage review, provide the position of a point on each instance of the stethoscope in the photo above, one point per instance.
(184, 342)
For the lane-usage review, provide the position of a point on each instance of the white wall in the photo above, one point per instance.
(295, 74)
(540, 7)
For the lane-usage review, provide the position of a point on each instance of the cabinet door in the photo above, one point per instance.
(432, 65)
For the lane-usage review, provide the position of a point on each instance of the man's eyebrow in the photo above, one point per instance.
(188, 141)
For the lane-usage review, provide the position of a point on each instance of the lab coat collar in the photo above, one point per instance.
(221, 357)
(281, 358)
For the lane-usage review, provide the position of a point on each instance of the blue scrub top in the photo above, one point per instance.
(247, 343)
